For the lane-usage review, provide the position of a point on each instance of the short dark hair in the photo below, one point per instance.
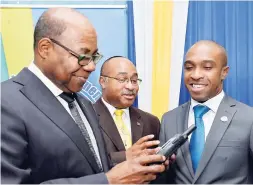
(48, 26)
(106, 61)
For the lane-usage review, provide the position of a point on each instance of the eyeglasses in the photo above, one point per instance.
(83, 59)
(134, 81)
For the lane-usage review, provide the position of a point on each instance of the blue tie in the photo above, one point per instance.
(197, 142)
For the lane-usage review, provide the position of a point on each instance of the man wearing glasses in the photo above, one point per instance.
(128, 131)
(48, 133)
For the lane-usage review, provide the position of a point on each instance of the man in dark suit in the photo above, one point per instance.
(220, 150)
(49, 133)
(120, 84)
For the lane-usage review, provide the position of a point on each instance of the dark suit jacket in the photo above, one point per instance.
(40, 141)
(142, 124)
(228, 152)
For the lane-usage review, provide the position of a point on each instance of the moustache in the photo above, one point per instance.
(129, 92)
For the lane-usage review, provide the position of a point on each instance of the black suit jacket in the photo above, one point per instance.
(40, 141)
(142, 124)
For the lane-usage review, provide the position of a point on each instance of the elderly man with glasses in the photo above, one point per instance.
(49, 134)
(128, 131)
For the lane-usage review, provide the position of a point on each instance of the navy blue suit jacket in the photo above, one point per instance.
(40, 141)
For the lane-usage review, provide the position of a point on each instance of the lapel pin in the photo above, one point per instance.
(138, 124)
(224, 118)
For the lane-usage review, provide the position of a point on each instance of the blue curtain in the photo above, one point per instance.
(231, 25)
(131, 38)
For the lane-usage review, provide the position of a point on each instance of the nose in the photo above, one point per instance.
(196, 74)
(90, 67)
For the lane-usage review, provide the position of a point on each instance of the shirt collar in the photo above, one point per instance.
(50, 85)
(112, 108)
(212, 103)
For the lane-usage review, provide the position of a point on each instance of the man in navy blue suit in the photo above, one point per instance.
(49, 133)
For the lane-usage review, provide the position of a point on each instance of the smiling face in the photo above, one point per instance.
(204, 70)
(66, 70)
(119, 94)
(57, 63)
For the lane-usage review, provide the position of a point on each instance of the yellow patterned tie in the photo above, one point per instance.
(123, 131)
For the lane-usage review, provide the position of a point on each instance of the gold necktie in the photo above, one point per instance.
(123, 131)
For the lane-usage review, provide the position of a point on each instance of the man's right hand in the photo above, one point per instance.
(136, 170)
(142, 147)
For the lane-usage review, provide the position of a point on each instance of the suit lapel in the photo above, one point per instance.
(216, 133)
(48, 104)
(90, 114)
(182, 125)
(108, 125)
(136, 125)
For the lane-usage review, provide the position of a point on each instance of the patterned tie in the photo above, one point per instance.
(123, 131)
(197, 142)
(70, 98)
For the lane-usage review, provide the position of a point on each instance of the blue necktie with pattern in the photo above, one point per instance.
(197, 142)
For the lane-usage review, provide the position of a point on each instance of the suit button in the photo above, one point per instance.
(71, 106)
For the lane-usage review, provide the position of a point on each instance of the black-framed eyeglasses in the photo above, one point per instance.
(83, 59)
(134, 81)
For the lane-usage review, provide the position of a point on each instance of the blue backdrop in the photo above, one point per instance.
(231, 25)
(131, 37)
(114, 26)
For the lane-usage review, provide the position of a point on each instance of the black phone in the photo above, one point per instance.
(171, 146)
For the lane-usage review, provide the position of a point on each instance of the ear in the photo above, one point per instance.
(224, 73)
(102, 82)
(44, 47)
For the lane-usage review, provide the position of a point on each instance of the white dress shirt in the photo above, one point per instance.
(125, 116)
(208, 117)
(56, 92)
